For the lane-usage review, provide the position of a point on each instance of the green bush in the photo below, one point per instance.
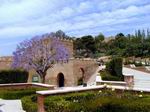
(107, 101)
(113, 70)
(13, 76)
(27, 96)
(18, 93)
(67, 103)
(115, 66)
(138, 64)
(93, 101)
(29, 104)
(105, 75)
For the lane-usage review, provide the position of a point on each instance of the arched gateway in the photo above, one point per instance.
(60, 80)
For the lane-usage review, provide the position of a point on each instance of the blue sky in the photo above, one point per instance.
(22, 19)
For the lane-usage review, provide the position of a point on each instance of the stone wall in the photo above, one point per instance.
(5, 62)
(72, 71)
(69, 45)
(66, 69)
(52, 74)
(84, 67)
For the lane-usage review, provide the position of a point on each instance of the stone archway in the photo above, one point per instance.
(83, 72)
(60, 80)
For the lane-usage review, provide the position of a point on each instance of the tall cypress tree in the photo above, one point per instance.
(148, 34)
(143, 36)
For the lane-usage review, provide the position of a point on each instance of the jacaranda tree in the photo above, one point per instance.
(40, 53)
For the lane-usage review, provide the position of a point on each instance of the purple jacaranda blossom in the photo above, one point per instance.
(40, 53)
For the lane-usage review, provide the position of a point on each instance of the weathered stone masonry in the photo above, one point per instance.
(69, 72)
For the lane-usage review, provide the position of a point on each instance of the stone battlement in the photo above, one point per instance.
(6, 59)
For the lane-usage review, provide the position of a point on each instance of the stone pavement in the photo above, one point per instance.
(11, 106)
(141, 79)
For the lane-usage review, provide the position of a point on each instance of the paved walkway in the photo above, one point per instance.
(141, 79)
(10, 106)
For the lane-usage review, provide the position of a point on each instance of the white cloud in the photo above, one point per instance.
(26, 18)
(27, 13)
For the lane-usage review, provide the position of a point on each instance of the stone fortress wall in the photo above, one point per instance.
(72, 71)
(68, 73)
(5, 62)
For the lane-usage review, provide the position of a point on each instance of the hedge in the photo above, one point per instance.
(115, 66)
(27, 96)
(105, 75)
(138, 64)
(94, 101)
(13, 76)
(113, 71)
(28, 104)
(18, 93)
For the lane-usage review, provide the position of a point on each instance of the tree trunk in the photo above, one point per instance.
(43, 79)
(42, 76)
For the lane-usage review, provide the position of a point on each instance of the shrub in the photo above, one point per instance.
(138, 64)
(115, 66)
(13, 76)
(107, 101)
(105, 75)
(79, 97)
(67, 103)
(94, 101)
(29, 104)
(113, 70)
(18, 93)
(28, 97)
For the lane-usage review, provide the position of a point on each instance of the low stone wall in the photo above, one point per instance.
(128, 82)
(129, 79)
(43, 94)
(25, 85)
(114, 83)
(70, 90)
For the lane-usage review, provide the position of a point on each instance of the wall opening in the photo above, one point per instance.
(60, 80)
(81, 78)
(82, 70)
(35, 78)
